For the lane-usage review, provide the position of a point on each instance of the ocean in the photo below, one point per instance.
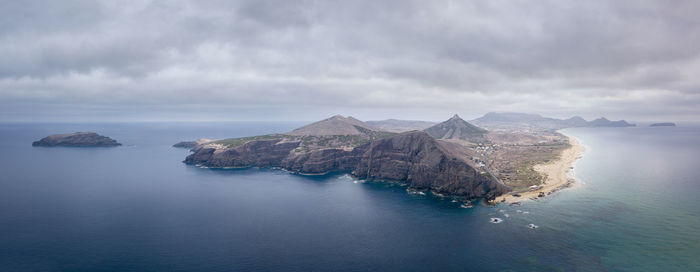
(139, 208)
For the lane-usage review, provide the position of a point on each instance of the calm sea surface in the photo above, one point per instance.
(138, 207)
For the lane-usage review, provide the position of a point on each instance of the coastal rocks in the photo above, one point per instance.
(413, 158)
(78, 139)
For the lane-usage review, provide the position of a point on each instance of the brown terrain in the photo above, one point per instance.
(345, 144)
(452, 158)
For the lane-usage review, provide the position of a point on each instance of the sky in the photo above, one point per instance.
(289, 60)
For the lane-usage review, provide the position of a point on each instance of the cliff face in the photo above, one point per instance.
(413, 158)
(78, 139)
(263, 153)
(422, 162)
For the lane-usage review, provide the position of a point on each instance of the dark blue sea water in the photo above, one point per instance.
(138, 208)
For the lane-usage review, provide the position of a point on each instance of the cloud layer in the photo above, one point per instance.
(304, 60)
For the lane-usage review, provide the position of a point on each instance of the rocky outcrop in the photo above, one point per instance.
(412, 158)
(78, 139)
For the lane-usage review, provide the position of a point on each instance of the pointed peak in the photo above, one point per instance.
(456, 117)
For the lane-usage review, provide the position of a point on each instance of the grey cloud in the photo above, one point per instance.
(432, 58)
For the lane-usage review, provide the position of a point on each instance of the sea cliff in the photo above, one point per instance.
(413, 158)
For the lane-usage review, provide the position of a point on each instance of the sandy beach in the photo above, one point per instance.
(558, 175)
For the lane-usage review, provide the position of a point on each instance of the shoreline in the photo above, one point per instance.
(558, 173)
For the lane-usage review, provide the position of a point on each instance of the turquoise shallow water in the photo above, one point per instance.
(138, 208)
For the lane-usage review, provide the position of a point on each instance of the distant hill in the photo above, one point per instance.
(336, 125)
(527, 121)
(575, 121)
(665, 124)
(456, 128)
(396, 125)
(603, 122)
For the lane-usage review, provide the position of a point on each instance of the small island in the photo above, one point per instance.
(78, 139)
(665, 124)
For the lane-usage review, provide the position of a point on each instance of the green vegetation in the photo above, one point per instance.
(233, 142)
(312, 142)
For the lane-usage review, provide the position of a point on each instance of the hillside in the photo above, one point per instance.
(456, 128)
(336, 125)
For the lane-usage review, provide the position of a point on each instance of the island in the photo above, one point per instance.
(77, 139)
(347, 145)
(500, 157)
(665, 124)
(454, 158)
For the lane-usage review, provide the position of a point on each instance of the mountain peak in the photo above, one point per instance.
(334, 125)
(456, 128)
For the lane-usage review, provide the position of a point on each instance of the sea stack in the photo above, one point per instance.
(78, 139)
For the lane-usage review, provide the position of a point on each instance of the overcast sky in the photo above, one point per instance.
(306, 60)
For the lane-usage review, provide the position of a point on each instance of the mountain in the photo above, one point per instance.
(575, 121)
(78, 139)
(456, 128)
(527, 121)
(395, 125)
(336, 125)
(665, 124)
(523, 121)
(511, 117)
(413, 158)
(603, 122)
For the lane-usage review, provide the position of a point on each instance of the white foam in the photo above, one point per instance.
(466, 205)
(496, 220)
